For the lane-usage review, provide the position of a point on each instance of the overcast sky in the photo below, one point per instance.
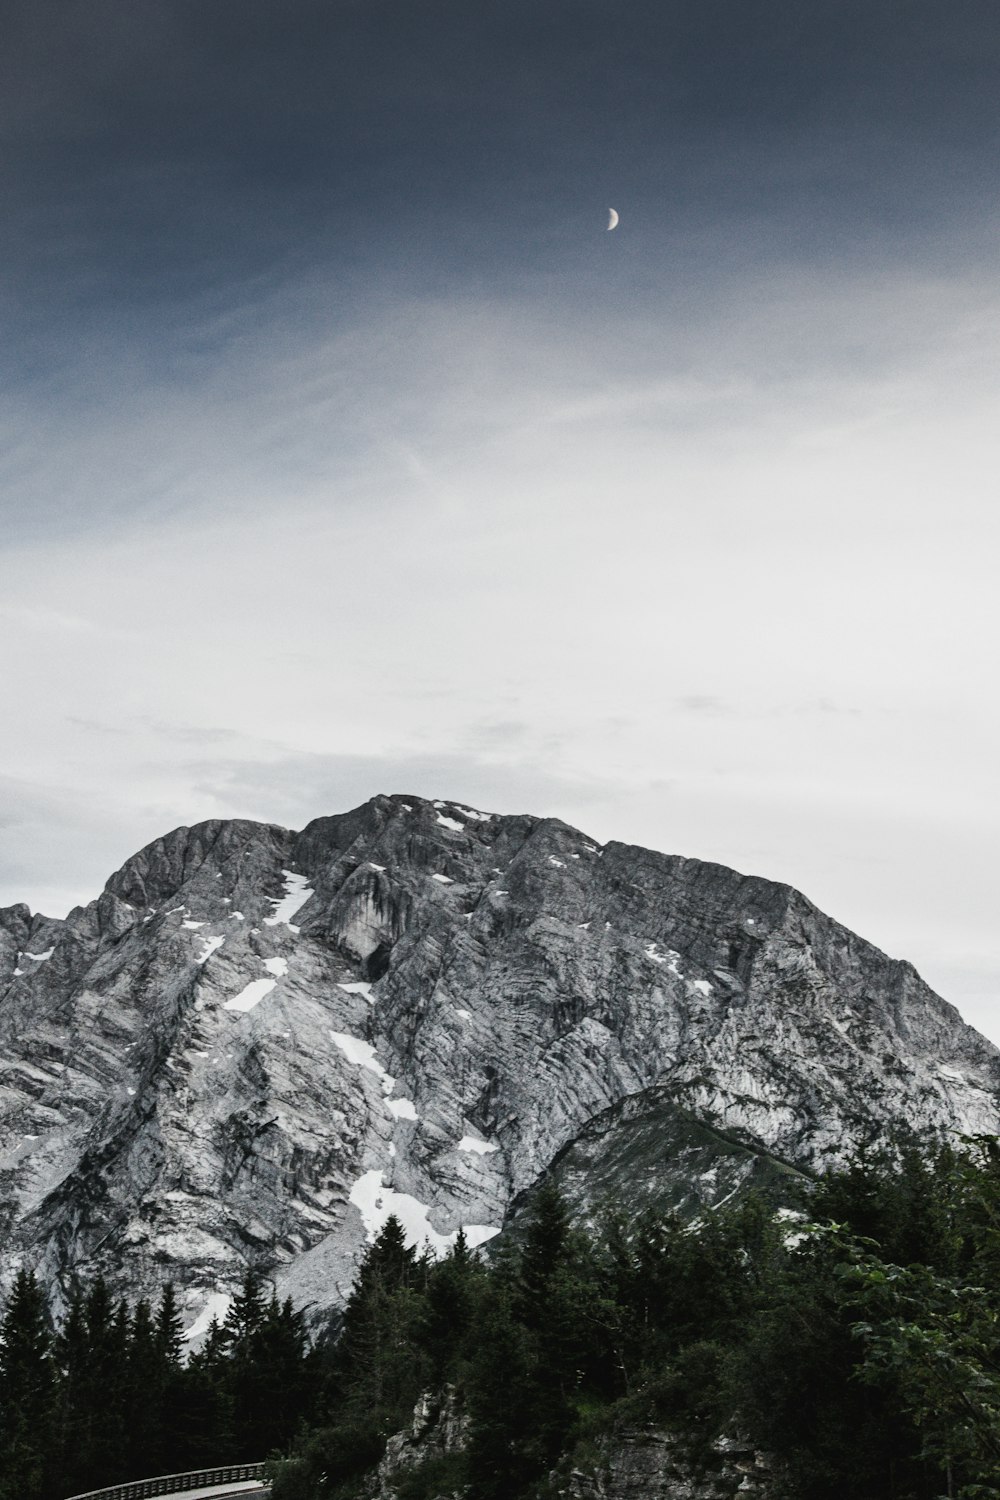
(345, 451)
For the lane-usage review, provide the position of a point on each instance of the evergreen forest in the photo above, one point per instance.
(856, 1342)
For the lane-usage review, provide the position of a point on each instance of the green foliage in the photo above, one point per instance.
(108, 1398)
(862, 1350)
(499, 1397)
(443, 1474)
(27, 1392)
(936, 1339)
(377, 1370)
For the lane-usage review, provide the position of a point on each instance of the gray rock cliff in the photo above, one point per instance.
(642, 1463)
(256, 1044)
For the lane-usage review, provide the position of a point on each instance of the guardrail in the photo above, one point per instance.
(172, 1484)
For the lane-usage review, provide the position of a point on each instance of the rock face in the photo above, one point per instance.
(256, 1044)
(650, 1465)
(438, 1430)
(648, 1150)
(645, 1463)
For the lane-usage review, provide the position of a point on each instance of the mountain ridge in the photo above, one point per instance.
(256, 1042)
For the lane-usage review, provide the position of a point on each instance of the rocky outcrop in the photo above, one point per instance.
(439, 1429)
(650, 1464)
(647, 1463)
(255, 1044)
(649, 1152)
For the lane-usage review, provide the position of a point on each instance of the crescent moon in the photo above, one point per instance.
(612, 219)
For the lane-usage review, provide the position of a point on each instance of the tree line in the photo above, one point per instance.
(856, 1342)
(110, 1397)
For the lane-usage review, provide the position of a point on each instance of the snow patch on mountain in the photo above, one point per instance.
(209, 945)
(297, 893)
(376, 1203)
(362, 1055)
(250, 995)
(217, 1306)
(360, 987)
(480, 1148)
(471, 814)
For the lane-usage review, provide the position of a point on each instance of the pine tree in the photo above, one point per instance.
(144, 1397)
(72, 1348)
(273, 1400)
(453, 1289)
(241, 1371)
(246, 1312)
(546, 1301)
(390, 1261)
(545, 1252)
(27, 1391)
(169, 1332)
(205, 1419)
(104, 1454)
(378, 1368)
(500, 1392)
(170, 1348)
(367, 1364)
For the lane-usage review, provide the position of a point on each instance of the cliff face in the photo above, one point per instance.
(256, 1044)
(650, 1465)
(647, 1463)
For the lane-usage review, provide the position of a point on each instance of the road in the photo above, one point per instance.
(240, 1487)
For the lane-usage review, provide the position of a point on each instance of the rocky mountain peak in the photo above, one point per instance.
(256, 1043)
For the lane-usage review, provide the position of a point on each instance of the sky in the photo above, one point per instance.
(343, 450)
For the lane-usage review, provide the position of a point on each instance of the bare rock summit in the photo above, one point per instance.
(256, 1044)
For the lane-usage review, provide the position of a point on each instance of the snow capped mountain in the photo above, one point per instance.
(257, 1044)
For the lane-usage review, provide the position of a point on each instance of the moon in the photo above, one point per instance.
(612, 219)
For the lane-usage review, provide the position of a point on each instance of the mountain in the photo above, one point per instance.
(256, 1044)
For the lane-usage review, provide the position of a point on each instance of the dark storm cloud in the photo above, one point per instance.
(183, 180)
(151, 149)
